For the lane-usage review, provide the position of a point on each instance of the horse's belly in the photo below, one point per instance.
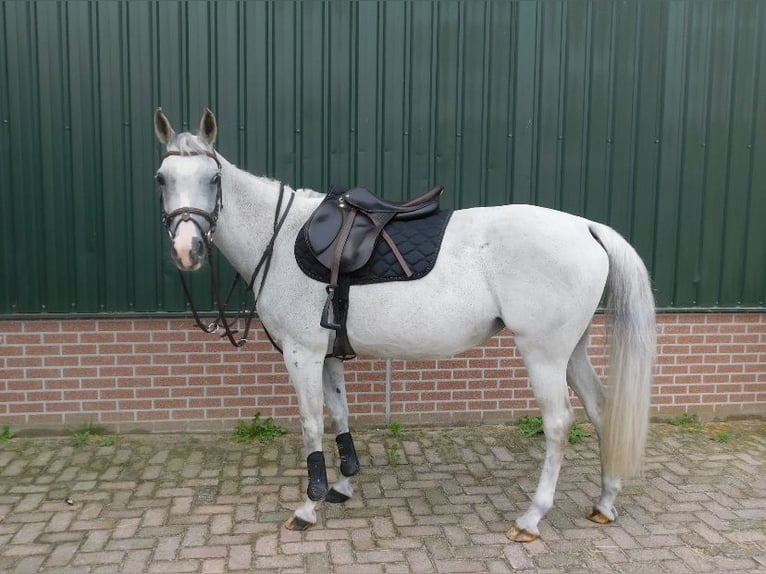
(420, 319)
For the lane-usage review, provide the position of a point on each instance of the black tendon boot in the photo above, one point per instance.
(317, 488)
(349, 463)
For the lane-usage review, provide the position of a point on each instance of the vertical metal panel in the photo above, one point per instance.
(648, 115)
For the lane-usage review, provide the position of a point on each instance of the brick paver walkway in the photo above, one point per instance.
(175, 503)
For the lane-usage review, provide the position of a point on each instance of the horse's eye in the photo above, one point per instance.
(160, 179)
(216, 179)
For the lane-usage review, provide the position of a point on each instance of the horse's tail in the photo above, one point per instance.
(631, 313)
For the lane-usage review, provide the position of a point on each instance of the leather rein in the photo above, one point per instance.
(185, 213)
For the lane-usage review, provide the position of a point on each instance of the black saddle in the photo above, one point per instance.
(344, 236)
(342, 232)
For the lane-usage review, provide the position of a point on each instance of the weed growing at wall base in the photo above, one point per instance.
(688, 421)
(264, 432)
(531, 426)
(7, 434)
(91, 433)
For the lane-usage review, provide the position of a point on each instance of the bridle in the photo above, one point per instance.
(212, 219)
(186, 212)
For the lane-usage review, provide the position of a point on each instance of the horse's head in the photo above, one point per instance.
(189, 181)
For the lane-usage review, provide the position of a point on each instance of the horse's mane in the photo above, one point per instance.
(189, 143)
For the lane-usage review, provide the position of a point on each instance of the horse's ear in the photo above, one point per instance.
(208, 127)
(162, 127)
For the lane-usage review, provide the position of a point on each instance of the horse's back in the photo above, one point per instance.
(528, 243)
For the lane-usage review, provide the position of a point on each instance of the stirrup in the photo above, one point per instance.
(328, 315)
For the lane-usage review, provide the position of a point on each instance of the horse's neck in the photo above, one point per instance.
(247, 218)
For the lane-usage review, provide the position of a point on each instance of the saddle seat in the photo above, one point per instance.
(368, 202)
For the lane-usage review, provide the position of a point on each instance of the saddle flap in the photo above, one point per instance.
(323, 227)
(361, 241)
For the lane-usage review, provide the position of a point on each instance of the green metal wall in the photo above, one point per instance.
(649, 115)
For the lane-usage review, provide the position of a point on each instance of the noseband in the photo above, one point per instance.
(186, 212)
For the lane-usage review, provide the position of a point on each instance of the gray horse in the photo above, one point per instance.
(541, 273)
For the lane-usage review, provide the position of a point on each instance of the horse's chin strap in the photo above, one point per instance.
(263, 264)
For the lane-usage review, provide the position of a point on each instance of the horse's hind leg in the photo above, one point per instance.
(584, 381)
(335, 399)
(547, 376)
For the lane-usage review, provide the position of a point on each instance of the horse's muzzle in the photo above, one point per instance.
(188, 248)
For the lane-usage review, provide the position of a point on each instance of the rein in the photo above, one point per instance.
(263, 263)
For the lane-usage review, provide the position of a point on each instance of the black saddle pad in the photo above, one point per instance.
(418, 241)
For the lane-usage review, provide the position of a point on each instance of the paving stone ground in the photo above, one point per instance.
(206, 504)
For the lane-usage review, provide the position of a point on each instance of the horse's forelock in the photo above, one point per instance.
(189, 143)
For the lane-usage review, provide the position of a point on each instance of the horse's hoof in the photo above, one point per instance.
(297, 524)
(517, 534)
(335, 497)
(598, 517)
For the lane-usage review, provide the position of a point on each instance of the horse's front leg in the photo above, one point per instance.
(305, 369)
(335, 399)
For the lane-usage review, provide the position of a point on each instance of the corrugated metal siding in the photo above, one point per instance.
(648, 115)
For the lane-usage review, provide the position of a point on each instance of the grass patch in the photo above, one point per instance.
(722, 437)
(394, 455)
(394, 450)
(264, 432)
(688, 421)
(532, 426)
(7, 434)
(90, 434)
(395, 429)
(577, 434)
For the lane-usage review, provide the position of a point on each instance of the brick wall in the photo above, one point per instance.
(159, 374)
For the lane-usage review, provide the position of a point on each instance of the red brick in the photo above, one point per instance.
(117, 393)
(97, 383)
(80, 395)
(170, 403)
(134, 404)
(62, 407)
(96, 338)
(26, 362)
(23, 385)
(152, 415)
(99, 406)
(188, 414)
(98, 360)
(75, 373)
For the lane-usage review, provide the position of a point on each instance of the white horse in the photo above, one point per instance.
(541, 273)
